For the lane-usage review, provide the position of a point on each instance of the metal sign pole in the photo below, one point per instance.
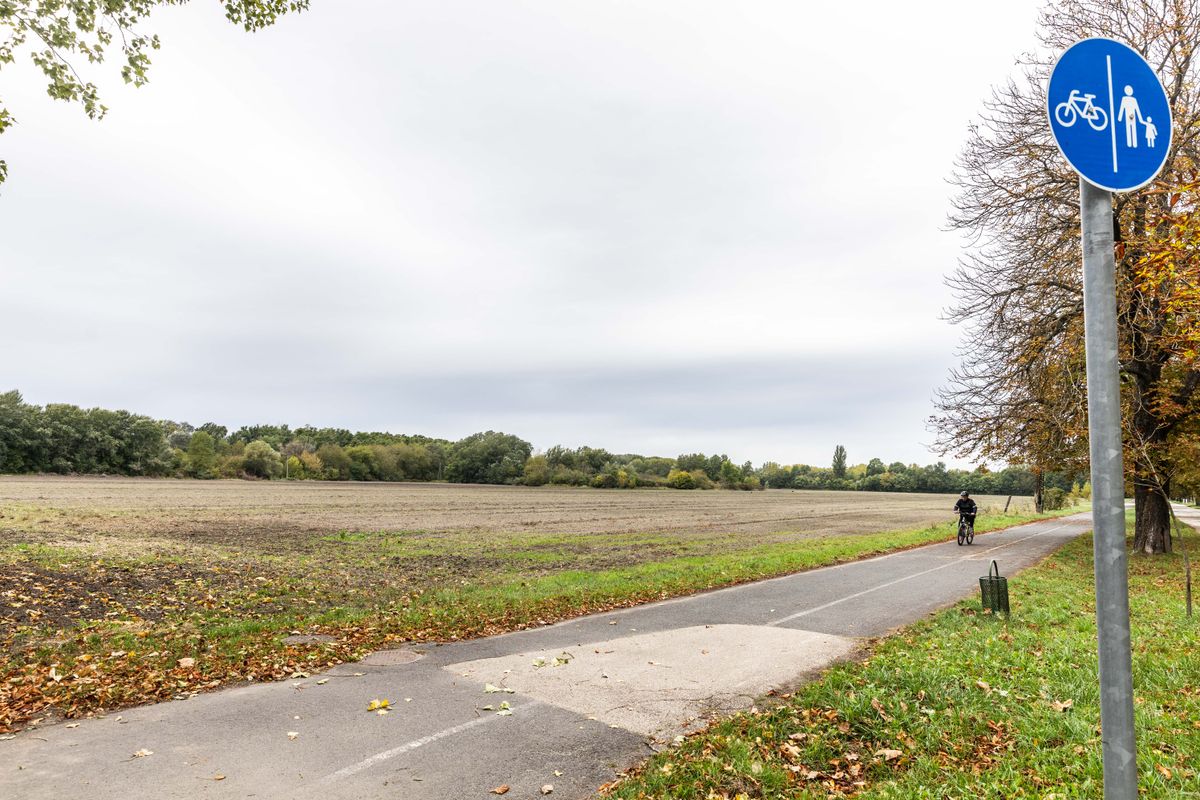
(1108, 494)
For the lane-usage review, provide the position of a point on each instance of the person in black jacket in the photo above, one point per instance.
(966, 509)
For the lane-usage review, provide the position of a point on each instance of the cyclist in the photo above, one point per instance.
(966, 509)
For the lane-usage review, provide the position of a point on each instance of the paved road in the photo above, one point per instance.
(589, 696)
(1187, 514)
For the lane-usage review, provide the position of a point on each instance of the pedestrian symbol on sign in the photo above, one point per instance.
(1109, 86)
(1132, 116)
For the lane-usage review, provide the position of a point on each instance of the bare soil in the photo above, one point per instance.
(145, 550)
(281, 516)
(119, 591)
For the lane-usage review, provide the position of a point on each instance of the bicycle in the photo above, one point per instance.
(1070, 110)
(966, 530)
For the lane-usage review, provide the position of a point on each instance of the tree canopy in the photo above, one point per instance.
(63, 37)
(1020, 392)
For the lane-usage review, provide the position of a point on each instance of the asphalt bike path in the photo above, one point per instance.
(579, 701)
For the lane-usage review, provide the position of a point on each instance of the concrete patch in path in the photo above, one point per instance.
(663, 683)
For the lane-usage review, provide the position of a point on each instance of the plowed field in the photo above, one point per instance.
(115, 591)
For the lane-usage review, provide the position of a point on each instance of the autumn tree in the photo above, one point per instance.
(489, 457)
(1021, 386)
(261, 460)
(62, 36)
(839, 462)
(201, 455)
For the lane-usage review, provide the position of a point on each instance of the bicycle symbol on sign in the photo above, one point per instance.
(1080, 105)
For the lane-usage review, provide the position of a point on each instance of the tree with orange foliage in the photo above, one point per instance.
(1019, 287)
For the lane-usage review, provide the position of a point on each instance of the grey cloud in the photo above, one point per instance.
(640, 226)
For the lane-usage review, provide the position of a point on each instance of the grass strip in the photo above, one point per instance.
(967, 705)
(199, 634)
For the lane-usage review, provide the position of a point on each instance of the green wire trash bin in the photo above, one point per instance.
(995, 591)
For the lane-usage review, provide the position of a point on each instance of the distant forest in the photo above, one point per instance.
(66, 439)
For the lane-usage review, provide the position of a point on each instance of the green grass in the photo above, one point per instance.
(231, 610)
(965, 705)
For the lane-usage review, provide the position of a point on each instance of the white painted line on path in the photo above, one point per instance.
(408, 747)
(691, 598)
(954, 562)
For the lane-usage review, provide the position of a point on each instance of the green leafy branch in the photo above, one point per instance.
(61, 33)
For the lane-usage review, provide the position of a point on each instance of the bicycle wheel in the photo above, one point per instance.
(1065, 113)
(962, 534)
(1098, 120)
(970, 534)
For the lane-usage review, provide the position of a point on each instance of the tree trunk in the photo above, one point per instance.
(1152, 515)
(1152, 528)
(1039, 491)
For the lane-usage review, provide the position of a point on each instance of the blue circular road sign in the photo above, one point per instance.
(1109, 114)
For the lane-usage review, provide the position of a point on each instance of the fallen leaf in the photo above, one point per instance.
(888, 755)
(558, 773)
(376, 705)
(218, 777)
(501, 789)
(293, 734)
(983, 685)
(504, 712)
(143, 753)
(878, 706)
(72, 725)
(548, 788)
(187, 663)
(323, 681)
(1062, 705)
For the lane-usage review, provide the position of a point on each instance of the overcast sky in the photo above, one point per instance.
(655, 227)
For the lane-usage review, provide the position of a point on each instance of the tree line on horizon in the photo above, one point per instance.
(59, 438)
